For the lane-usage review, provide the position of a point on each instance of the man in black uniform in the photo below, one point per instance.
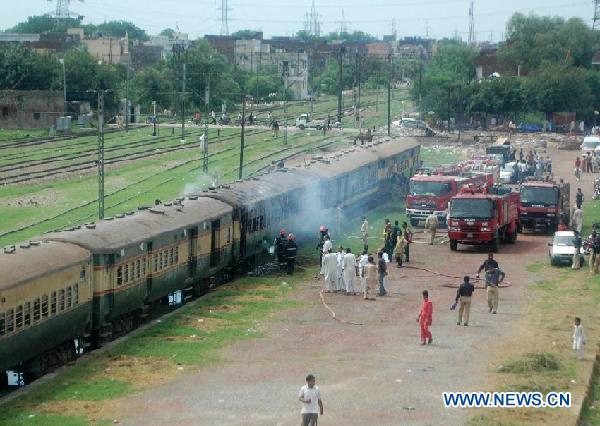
(290, 254)
(489, 264)
(464, 293)
(323, 232)
(280, 246)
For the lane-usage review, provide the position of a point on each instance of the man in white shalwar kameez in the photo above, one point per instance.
(340, 270)
(578, 338)
(330, 266)
(364, 259)
(349, 267)
(327, 246)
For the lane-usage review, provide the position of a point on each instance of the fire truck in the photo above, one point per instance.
(427, 194)
(478, 216)
(544, 204)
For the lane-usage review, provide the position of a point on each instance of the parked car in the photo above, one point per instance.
(562, 249)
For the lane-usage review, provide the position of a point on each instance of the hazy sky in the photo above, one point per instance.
(285, 17)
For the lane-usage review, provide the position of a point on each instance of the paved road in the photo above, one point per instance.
(376, 373)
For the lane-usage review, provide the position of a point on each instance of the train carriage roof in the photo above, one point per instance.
(350, 159)
(107, 236)
(28, 261)
(257, 189)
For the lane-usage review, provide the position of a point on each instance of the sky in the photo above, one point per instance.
(433, 18)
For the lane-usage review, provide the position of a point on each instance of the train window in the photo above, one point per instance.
(53, 303)
(37, 309)
(2, 323)
(69, 298)
(126, 273)
(120, 275)
(76, 294)
(171, 256)
(228, 234)
(155, 261)
(10, 321)
(19, 317)
(27, 314)
(143, 268)
(137, 268)
(176, 255)
(82, 274)
(45, 306)
(165, 260)
(160, 260)
(61, 300)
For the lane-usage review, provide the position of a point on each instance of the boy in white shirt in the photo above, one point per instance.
(310, 397)
(578, 338)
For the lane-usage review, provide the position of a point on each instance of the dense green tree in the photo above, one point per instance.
(244, 34)
(117, 29)
(167, 32)
(153, 84)
(24, 69)
(533, 39)
(45, 23)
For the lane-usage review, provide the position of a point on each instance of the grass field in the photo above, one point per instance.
(31, 209)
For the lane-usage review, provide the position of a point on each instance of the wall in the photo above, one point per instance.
(29, 109)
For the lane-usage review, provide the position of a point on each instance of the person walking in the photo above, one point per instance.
(330, 266)
(394, 237)
(290, 251)
(578, 338)
(312, 406)
(431, 223)
(487, 265)
(577, 243)
(275, 129)
(364, 230)
(493, 278)
(579, 198)
(463, 294)
(578, 169)
(408, 237)
(425, 318)
(382, 271)
(577, 219)
(371, 279)
(400, 243)
(590, 165)
(387, 235)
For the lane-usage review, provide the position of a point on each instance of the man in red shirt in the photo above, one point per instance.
(424, 318)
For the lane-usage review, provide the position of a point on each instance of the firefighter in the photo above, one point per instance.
(290, 254)
(280, 245)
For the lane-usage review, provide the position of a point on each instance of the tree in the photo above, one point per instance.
(167, 32)
(117, 29)
(24, 69)
(533, 39)
(153, 84)
(45, 23)
(245, 34)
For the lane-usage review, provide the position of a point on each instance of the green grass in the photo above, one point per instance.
(532, 362)
(591, 409)
(12, 417)
(536, 267)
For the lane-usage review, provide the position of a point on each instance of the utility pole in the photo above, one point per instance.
(460, 106)
(340, 84)
(62, 61)
(127, 109)
(154, 120)
(448, 109)
(258, 61)
(206, 103)
(101, 154)
(389, 105)
(285, 104)
(242, 137)
(183, 103)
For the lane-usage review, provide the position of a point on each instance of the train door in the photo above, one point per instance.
(215, 243)
(150, 269)
(192, 234)
(243, 233)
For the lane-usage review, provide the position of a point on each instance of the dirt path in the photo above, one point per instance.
(376, 373)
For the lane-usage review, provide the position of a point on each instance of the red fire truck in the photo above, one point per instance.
(427, 194)
(478, 216)
(544, 204)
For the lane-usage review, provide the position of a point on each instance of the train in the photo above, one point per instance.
(73, 290)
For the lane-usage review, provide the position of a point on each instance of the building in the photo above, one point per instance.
(111, 50)
(254, 53)
(35, 109)
(168, 45)
(45, 42)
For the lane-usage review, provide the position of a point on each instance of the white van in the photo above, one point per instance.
(590, 144)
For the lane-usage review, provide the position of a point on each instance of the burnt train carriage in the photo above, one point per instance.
(260, 205)
(45, 304)
(141, 258)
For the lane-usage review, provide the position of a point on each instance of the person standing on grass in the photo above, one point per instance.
(578, 338)
(312, 406)
(579, 198)
(464, 293)
(425, 318)
(595, 257)
(408, 237)
(577, 243)
(364, 231)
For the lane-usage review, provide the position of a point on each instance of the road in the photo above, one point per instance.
(376, 373)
